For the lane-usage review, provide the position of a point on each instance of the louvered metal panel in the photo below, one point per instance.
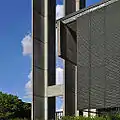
(112, 55)
(97, 63)
(67, 43)
(83, 32)
(98, 58)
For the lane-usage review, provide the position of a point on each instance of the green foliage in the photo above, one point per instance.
(19, 119)
(115, 117)
(12, 107)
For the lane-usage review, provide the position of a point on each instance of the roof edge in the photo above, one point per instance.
(73, 16)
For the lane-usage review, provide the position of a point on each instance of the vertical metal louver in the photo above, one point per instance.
(98, 58)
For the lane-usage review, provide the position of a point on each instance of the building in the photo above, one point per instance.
(91, 76)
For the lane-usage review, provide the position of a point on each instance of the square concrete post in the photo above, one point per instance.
(82, 4)
(69, 89)
(70, 6)
(69, 82)
(43, 58)
(51, 55)
(70, 95)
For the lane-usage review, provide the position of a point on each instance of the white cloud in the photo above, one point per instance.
(59, 103)
(28, 86)
(59, 80)
(27, 45)
(27, 50)
(59, 76)
(59, 11)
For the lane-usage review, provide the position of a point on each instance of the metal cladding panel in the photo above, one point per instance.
(98, 58)
(72, 26)
(71, 52)
(113, 55)
(97, 69)
(97, 87)
(61, 40)
(67, 43)
(83, 88)
(83, 32)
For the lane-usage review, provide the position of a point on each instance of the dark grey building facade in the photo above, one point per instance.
(90, 39)
(89, 42)
(98, 57)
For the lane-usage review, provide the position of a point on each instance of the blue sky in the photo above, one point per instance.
(88, 2)
(15, 24)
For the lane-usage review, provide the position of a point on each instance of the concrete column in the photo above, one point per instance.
(70, 96)
(77, 5)
(51, 108)
(68, 37)
(69, 81)
(43, 58)
(82, 4)
(70, 6)
(69, 89)
(51, 55)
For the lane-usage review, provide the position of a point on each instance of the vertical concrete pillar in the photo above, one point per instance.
(77, 5)
(39, 61)
(51, 55)
(70, 6)
(82, 4)
(69, 89)
(69, 82)
(51, 108)
(43, 58)
(76, 111)
(70, 96)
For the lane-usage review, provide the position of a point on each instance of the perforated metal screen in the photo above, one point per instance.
(98, 58)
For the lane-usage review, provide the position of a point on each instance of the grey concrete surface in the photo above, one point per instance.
(69, 89)
(44, 64)
(43, 58)
(69, 97)
(55, 90)
(70, 6)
